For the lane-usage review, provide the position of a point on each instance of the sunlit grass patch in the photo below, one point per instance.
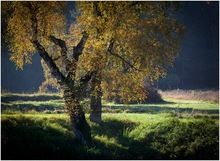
(144, 118)
(108, 142)
(200, 104)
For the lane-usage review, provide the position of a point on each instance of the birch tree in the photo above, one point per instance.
(111, 45)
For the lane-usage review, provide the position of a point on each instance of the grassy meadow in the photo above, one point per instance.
(36, 126)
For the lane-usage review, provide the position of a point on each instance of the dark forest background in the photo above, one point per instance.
(196, 67)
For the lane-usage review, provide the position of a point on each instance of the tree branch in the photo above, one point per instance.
(60, 43)
(50, 63)
(109, 50)
(97, 11)
(41, 50)
(85, 79)
(77, 50)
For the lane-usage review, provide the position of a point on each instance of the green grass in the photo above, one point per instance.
(28, 97)
(173, 129)
(119, 136)
(26, 102)
(169, 104)
(53, 102)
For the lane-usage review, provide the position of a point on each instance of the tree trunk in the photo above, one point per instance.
(96, 94)
(79, 124)
(77, 117)
(96, 109)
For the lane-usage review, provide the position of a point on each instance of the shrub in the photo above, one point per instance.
(151, 92)
(153, 96)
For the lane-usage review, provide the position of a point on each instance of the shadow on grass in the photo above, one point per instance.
(111, 137)
(15, 97)
(154, 109)
(27, 107)
(25, 103)
(25, 138)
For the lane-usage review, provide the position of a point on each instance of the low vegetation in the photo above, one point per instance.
(119, 136)
(34, 127)
(205, 95)
(53, 103)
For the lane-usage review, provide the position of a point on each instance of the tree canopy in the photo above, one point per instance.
(50, 20)
(127, 42)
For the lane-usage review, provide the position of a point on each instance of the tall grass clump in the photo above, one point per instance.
(205, 95)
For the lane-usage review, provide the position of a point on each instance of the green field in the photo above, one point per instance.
(37, 127)
(53, 102)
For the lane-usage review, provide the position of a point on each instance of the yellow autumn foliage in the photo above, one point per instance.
(128, 40)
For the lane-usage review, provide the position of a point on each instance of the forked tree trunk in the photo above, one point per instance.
(72, 94)
(96, 94)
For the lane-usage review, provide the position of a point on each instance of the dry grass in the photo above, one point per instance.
(205, 95)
